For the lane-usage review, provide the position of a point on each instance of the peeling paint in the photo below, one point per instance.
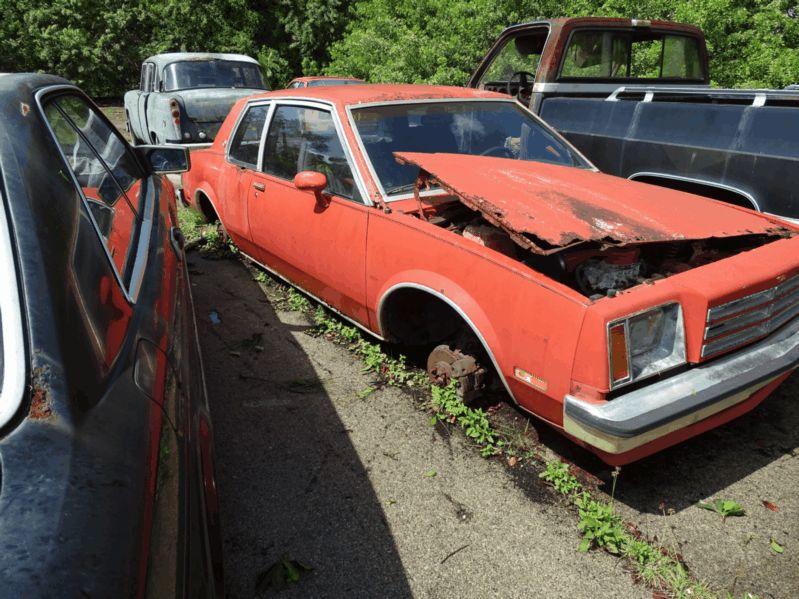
(547, 208)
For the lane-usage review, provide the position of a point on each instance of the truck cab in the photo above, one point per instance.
(591, 57)
(635, 97)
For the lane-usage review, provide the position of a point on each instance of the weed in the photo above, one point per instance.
(558, 475)
(474, 422)
(601, 527)
(724, 507)
(260, 276)
(296, 301)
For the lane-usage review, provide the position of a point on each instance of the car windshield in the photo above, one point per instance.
(190, 74)
(500, 129)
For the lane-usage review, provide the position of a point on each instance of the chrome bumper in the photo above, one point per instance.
(655, 410)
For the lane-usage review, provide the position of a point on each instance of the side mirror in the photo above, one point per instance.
(165, 160)
(312, 181)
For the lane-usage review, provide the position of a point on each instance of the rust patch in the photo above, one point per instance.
(547, 208)
(24, 108)
(40, 404)
(41, 407)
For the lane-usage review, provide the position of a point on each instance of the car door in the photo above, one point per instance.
(242, 160)
(318, 245)
(146, 87)
(136, 320)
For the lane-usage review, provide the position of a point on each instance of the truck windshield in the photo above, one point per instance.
(631, 55)
(500, 129)
(190, 74)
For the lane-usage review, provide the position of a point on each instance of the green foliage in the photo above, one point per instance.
(558, 475)
(296, 301)
(100, 44)
(602, 528)
(474, 422)
(724, 507)
(751, 42)
(600, 525)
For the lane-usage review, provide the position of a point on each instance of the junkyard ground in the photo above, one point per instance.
(359, 487)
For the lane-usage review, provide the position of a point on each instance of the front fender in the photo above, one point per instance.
(458, 299)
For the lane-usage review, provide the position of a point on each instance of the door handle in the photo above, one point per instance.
(259, 186)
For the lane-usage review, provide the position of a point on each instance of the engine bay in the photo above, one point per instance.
(593, 269)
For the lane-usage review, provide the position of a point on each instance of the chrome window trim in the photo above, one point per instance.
(14, 374)
(52, 89)
(379, 185)
(235, 130)
(329, 107)
(746, 195)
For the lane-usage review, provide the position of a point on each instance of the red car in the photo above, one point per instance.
(629, 316)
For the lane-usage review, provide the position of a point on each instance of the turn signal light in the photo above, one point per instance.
(619, 360)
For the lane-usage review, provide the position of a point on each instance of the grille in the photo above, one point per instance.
(751, 317)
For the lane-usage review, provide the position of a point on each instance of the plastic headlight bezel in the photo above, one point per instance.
(675, 358)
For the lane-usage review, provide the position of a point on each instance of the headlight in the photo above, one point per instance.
(645, 344)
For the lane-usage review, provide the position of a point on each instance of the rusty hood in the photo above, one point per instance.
(547, 208)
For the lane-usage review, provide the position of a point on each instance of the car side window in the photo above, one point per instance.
(247, 139)
(106, 171)
(305, 139)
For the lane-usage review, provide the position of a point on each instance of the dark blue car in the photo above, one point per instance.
(106, 457)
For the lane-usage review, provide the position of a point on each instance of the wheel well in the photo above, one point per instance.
(715, 192)
(206, 208)
(415, 317)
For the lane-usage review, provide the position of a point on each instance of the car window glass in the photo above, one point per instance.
(247, 139)
(499, 129)
(305, 139)
(521, 53)
(86, 141)
(636, 55)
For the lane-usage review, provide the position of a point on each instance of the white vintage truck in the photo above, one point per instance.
(183, 97)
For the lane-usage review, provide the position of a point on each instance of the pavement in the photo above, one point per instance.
(362, 490)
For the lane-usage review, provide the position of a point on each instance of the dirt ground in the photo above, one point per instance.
(312, 470)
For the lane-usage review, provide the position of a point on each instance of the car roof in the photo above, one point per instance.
(348, 95)
(161, 60)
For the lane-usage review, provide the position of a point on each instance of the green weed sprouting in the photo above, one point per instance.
(603, 528)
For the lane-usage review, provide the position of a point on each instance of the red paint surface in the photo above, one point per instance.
(353, 256)
(563, 205)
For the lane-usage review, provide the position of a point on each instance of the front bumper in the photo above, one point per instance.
(654, 411)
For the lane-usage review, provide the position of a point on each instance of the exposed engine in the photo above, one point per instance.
(592, 269)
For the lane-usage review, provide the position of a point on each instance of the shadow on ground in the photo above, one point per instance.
(290, 481)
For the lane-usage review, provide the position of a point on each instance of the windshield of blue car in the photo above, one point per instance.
(480, 128)
(191, 74)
